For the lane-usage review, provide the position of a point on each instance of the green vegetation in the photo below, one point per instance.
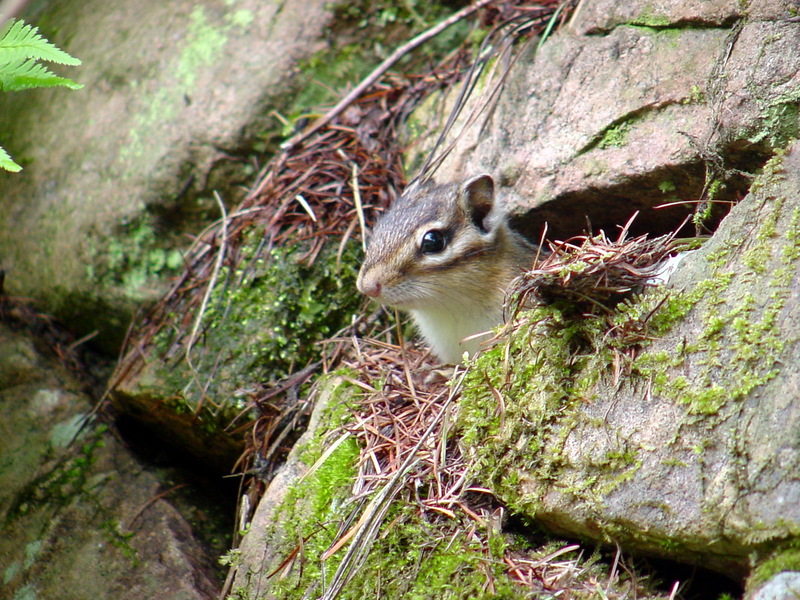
(375, 27)
(263, 321)
(614, 136)
(68, 478)
(667, 186)
(785, 557)
(696, 96)
(779, 122)
(411, 557)
(648, 17)
(21, 49)
(416, 554)
(134, 258)
(121, 539)
(545, 372)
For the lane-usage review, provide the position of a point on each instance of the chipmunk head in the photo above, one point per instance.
(429, 241)
(445, 254)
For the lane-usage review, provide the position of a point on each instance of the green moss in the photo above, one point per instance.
(309, 514)
(415, 556)
(614, 136)
(414, 561)
(412, 557)
(674, 462)
(723, 373)
(748, 358)
(202, 43)
(132, 258)
(667, 187)
(120, 538)
(282, 307)
(791, 251)
(330, 483)
(785, 557)
(326, 71)
(696, 96)
(262, 321)
(67, 479)
(648, 17)
(242, 18)
(779, 122)
(545, 372)
(551, 366)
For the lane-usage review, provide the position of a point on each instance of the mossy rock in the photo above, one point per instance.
(686, 448)
(415, 555)
(263, 321)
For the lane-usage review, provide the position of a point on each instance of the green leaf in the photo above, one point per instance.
(26, 74)
(7, 163)
(19, 41)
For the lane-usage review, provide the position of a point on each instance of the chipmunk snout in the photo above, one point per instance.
(369, 286)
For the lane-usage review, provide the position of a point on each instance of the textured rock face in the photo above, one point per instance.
(81, 519)
(784, 586)
(172, 90)
(628, 107)
(690, 451)
(693, 452)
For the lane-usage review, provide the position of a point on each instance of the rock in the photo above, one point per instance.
(601, 17)
(688, 449)
(627, 109)
(783, 586)
(309, 506)
(116, 172)
(261, 550)
(263, 320)
(80, 517)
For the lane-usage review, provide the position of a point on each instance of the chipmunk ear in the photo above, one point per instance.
(477, 200)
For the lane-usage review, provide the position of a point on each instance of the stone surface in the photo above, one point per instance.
(689, 456)
(262, 549)
(689, 449)
(601, 17)
(81, 518)
(629, 107)
(113, 173)
(616, 115)
(784, 586)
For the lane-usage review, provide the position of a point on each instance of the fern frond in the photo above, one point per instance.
(6, 162)
(25, 74)
(19, 41)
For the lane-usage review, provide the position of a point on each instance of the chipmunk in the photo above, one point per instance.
(445, 254)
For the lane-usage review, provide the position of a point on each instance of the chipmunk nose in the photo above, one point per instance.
(369, 286)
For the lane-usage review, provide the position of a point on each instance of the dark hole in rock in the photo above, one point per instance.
(193, 206)
(663, 199)
(695, 583)
(205, 499)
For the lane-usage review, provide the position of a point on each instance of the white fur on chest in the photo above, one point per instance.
(445, 328)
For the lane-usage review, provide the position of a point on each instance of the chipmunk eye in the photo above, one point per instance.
(433, 242)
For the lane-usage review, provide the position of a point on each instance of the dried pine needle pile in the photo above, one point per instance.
(590, 274)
